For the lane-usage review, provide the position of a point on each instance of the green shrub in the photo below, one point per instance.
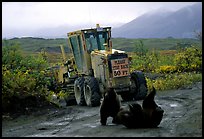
(189, 59)
(22, 76)
(166, 69)
(174, 81)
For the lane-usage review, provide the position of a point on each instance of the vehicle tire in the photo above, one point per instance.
(139, 85)
(79, 91)
(92, 93)
(134, 89)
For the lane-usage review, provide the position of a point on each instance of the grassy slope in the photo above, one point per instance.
(36, 44)
(52, 45)
(163, 44)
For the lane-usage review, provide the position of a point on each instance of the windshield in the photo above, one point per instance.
(95, 40)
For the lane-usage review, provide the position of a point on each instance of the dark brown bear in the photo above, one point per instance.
(152, 112)
(110, 106)
(149, 115)
(131, 116)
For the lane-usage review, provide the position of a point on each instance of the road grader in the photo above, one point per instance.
(96, 66)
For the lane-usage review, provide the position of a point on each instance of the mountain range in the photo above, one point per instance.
(155, 24)
(162, 24)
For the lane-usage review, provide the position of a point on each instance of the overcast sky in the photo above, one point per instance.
(36, 15)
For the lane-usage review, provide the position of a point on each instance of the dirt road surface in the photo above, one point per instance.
(182, 118)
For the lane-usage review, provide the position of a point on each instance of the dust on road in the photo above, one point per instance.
(182, 118)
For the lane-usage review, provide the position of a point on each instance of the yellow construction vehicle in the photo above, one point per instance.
(96, 67)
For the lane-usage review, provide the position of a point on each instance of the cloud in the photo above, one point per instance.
(31, 16)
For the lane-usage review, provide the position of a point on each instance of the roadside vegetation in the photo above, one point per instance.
(24, 83)
(170, 69)
(26, 78)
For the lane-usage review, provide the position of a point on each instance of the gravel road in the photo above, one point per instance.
(182, 118)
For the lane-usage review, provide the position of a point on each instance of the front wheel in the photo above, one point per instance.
(91, 92)
(79, 91)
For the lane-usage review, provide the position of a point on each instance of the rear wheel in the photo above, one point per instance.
(134, 89)
(91, 92)
(138, 85)
(79, 91)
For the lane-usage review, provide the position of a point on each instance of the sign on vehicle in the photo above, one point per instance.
(120, 67)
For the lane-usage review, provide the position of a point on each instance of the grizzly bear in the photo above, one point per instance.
(110, 106)
(146, 116)
(131, 116)
(152, 112)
